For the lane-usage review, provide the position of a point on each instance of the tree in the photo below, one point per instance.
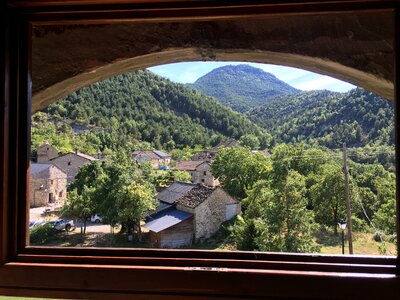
(132, 203)
(250, 140)
(277, 218)
(79, 206)
(238, 169)
(328, 195)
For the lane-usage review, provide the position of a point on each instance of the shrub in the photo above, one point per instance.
(41, 234)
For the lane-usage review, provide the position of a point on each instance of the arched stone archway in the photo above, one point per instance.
(357, 48)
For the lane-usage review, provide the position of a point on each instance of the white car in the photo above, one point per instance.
(96, 219)
(34, 223)
(61, 224)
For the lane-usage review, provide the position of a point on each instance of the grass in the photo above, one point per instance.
(363, 244)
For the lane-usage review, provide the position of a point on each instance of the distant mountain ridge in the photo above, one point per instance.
(242, 87)
(141, 106)
(357, 118)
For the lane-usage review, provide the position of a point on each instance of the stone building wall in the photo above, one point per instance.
(210, 214)
(70, 163)
(203, 175)
(48, 186)
(45, 153)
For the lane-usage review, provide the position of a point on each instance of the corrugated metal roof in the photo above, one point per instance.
(167, 219)
(36, 168)
(174, 192)
(162, 206)
(161, 154)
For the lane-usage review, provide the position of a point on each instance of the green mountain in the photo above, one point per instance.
(135, 107)
(242, 87)
(357, 118)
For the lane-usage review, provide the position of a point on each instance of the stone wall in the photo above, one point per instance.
(70, 163)
(46, 152)
(210, 214)
(47, 187)
(203, 175)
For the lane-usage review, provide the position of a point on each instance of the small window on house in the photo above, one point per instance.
(48, 148)
(60, 194)
(51, 181)
(69, 163)
(205, 173)
(202, 180)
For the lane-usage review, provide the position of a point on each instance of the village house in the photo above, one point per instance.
(156, 157)
(199, 170)
(209, 155)
(48, 185)
(46, 152)
(70, 163)
(210, 208)
(188, 213)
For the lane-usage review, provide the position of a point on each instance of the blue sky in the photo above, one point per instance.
(189, 72)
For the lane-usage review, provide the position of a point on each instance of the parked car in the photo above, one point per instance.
(96, 219)
(61, 224)
(34, 223)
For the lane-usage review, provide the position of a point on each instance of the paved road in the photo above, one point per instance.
(36, 214)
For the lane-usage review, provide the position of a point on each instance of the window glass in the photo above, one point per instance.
(299, 162)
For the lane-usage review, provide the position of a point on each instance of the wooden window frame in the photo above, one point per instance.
(157, 273)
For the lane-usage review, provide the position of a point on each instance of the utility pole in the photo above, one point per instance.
(347, 198)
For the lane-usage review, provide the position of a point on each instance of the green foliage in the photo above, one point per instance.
(385, 217)
(250, 141)
(79, 206)
(277, 219)
(238, 169)
(41, 234)
(328, 195)
(182, 176)
(138, 106)
(357, 118)
(114, 189)
(242, 87)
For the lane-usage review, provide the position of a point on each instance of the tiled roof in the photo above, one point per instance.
(166, 219)
(161, 154)
(174, 192)
(85, 156)
(36, 168)
(88, 157)
(188, 165)
(195, 196)
(153, 154)
(226, 144)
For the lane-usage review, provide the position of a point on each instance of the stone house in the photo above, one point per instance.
(48, 185)
(199, 170)
(70, 163)
(209, 155)
(156, 157)
(46, 152)
(187, 213)
(210, 208)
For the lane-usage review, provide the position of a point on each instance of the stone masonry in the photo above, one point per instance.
(209, 207)
(48, 185)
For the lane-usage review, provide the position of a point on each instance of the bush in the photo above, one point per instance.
(41, 234)
(360, 225)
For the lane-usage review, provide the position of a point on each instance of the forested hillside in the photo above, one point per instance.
(242, 87)
(138, 106)
(357, 118)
